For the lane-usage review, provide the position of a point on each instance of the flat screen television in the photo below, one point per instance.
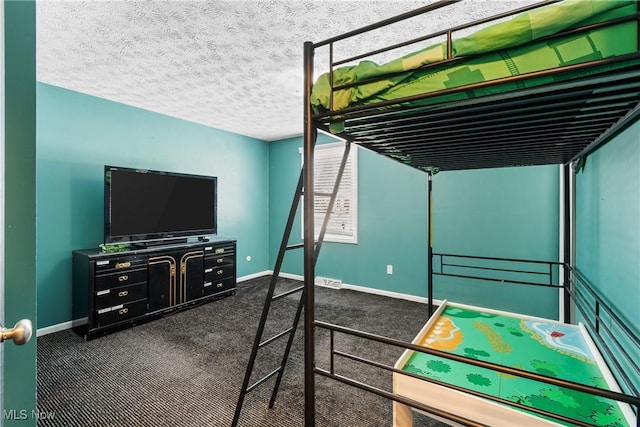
(147, 207)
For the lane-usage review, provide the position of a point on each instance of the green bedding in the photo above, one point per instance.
(502, 50)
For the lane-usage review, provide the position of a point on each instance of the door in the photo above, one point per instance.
(1, 196)
(17, 207)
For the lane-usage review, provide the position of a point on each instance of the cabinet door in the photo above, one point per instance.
(163, 291)
(191, 275)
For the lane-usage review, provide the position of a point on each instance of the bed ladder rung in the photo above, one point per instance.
(322, 194)
(289, 292)
(275, 337)
(263, 379)
(298, 245)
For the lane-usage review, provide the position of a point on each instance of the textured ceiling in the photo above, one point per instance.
(232, 65)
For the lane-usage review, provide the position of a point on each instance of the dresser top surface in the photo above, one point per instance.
(97, 252)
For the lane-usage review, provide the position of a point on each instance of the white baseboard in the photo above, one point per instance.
(61, 327)
(289, 276)
(77, 322)
(364, 289)
(253, 276)
(390, 294)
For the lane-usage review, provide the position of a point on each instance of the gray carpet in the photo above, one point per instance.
(186, 369)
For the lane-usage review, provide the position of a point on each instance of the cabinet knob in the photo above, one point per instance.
(123, 278)
(123, 293)
(220, 271)
(220, 260)
(123, 311)
(123, 264)
(219, 285)
(20, 333)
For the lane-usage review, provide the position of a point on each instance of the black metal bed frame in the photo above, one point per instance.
(402, 133)
(470, 134)
(577, 287)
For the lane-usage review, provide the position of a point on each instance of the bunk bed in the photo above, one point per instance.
(562, 77)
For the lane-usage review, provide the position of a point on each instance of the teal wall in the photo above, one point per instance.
(608, 225)
(509, 212)
(19, 362)
(383, 183)
(608, 222)
(78, 134)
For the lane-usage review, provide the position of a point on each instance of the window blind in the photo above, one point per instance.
(342, 226)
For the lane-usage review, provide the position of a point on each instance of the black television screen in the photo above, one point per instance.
(144, 205)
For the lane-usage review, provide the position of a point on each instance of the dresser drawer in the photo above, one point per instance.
(121, 312)
(119, 263)
(218, 273)
(120, 295)
(218, 261)
(213, 287)
(219, 250)
(120, 278)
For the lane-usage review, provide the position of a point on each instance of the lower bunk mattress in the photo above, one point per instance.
(536, 345)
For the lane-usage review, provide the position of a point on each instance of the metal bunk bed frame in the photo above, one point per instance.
(619, 106)
(534, 117)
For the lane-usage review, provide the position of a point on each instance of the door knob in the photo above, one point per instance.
(20, 333)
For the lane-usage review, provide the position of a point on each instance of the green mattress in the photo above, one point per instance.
(519, 46)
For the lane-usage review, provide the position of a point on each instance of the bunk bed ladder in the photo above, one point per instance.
(258, 343)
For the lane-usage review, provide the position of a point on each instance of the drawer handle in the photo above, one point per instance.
(220, 260)
(123, 278)
(220, 271)
(219, 285)
(123, 264)
(123, 293)
(123, 311)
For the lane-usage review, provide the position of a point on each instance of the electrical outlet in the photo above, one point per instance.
(389, 269)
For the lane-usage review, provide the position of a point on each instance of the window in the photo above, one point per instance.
(343, 224)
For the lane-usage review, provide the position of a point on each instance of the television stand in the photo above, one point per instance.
(121, 289)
